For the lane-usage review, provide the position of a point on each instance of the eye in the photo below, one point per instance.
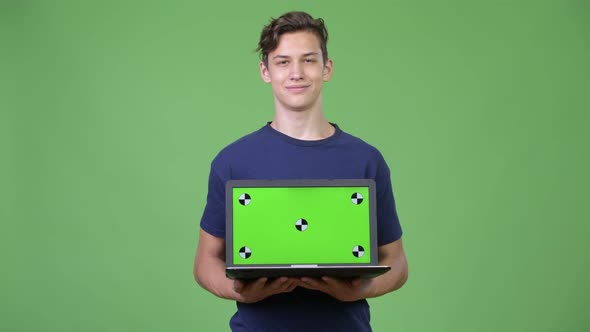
(283, 62)
(309, 60)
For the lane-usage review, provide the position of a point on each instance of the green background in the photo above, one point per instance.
(111, 112)
(335, 225)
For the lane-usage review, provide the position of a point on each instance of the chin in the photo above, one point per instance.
(297, 103)
(297, 108)
(301, 105)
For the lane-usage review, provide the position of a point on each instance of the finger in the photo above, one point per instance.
(278, 284)
(337, 282)
(291, 288)
(288, 286)
(331, 281)
(312, 283)
(293, 283)
(278, 281)
(259, 283)
(254, 286)
(311, 280)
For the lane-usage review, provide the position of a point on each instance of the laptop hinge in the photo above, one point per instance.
(304, 265)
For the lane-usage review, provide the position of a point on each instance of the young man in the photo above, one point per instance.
(299, 143)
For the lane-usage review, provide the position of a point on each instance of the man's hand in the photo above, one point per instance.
(346, 290)
(254, 291)
(391, 254)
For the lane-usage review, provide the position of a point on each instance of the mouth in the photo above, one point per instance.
(297, 88)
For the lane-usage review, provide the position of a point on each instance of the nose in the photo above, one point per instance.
(296, 71)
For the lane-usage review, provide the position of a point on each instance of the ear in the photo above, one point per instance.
(264, 73)
(328, 70)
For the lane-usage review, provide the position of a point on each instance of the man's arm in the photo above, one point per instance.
(209, 272)
(391, 254)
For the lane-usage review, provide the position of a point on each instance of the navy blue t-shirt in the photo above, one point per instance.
(270, 154)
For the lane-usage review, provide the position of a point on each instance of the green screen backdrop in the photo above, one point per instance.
(331, 226)
(111, 112)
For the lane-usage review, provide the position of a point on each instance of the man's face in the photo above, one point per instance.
(296, 71)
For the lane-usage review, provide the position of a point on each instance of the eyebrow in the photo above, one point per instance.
(287, 57)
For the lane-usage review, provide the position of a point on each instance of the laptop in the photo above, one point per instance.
(299, 228)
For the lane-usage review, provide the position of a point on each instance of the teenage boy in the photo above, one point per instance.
(299, 143)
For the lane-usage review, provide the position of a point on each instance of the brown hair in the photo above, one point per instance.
(291, 22)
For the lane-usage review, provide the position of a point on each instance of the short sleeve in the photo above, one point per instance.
(388, 225)
(213, 219)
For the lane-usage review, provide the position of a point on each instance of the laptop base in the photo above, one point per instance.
(236, 272)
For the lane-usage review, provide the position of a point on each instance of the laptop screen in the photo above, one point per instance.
(298, 222)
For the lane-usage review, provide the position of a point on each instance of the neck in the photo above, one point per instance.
(303, 125)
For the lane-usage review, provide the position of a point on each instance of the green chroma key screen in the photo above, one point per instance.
(301, 225)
